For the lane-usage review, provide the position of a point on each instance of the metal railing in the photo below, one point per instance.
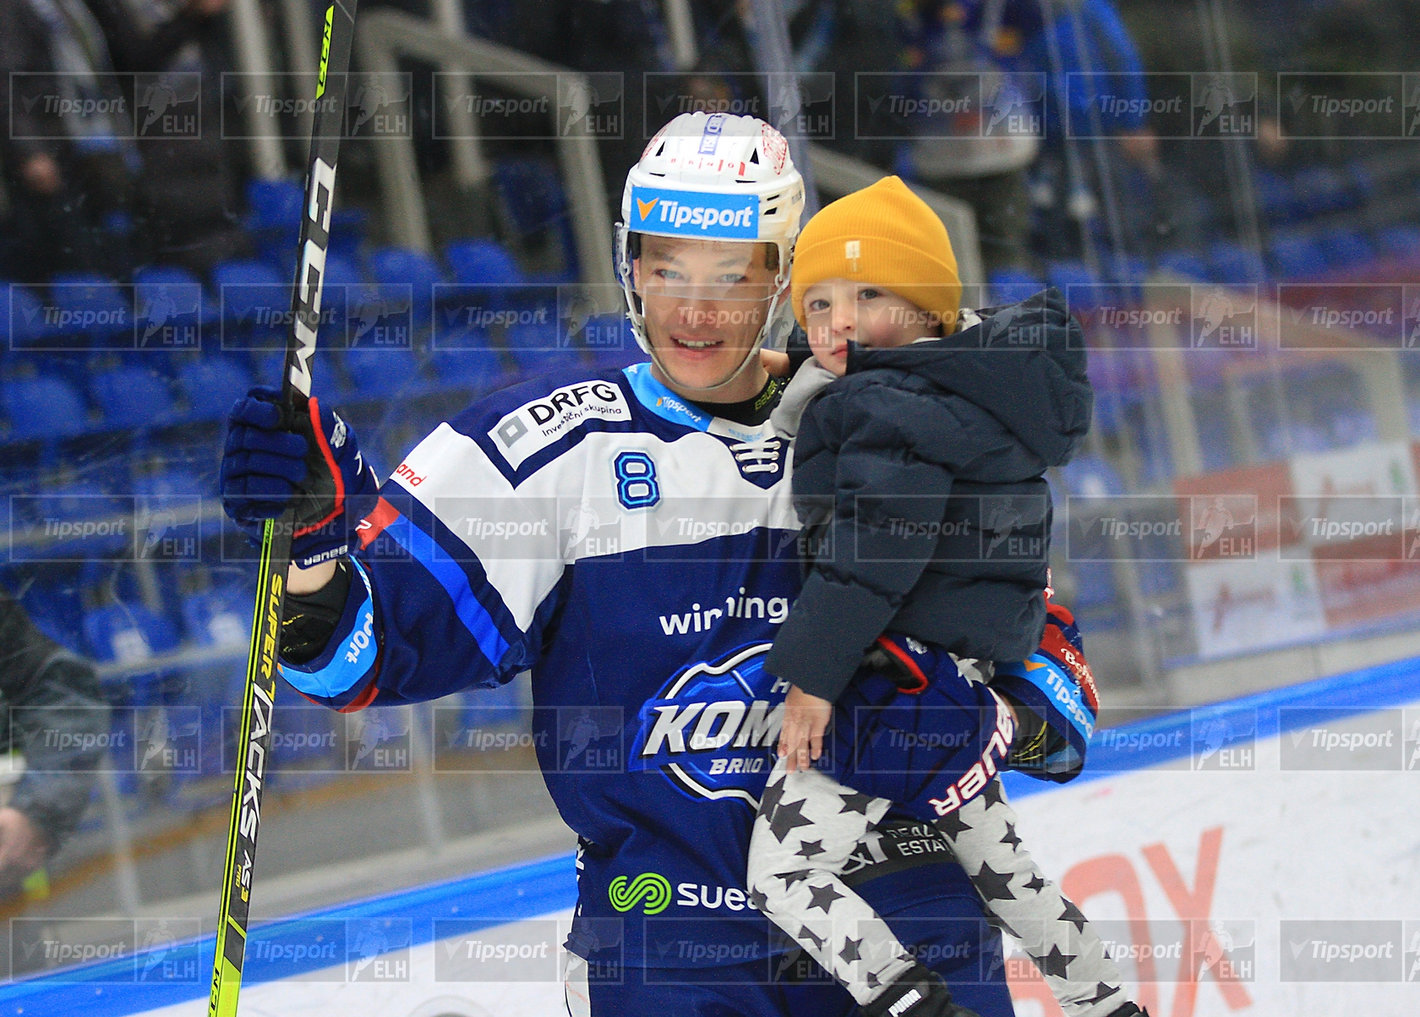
(388, 35)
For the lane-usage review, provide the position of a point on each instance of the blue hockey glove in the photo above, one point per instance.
(311, 462)
(1056, 701)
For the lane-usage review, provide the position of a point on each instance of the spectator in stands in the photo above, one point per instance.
(1341, 45)
(55, 717)
(77, 179)
(68, 155)
(839, 36)
(186, 203)
(623, 37)
(1084, 51)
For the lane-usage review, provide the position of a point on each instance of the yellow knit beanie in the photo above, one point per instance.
(884, 235)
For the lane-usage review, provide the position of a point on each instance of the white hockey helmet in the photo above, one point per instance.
(714, 176)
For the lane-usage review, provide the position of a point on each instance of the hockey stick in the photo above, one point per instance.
(255, 739)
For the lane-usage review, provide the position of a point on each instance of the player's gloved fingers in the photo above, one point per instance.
(278, 443)
(257, 463)
(260, 407)
(262, 487)
(254, 513)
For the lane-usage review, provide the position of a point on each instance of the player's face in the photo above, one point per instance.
(704, 302)
(837, 310)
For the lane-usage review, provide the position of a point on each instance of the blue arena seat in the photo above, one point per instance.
(340, 287)
(43, 407)
(1083, 289)
(403, 266)
(92, 309)
(1346, 249)
(1297, 256)
(382, 372)
(472, 367)
(255, 302)
(1010, 286)
(482, 262)
(274, 205)
(349, 228)
(1398, 241)
(1322, 189)
(220, 615)
(531, 191)
(48, 514)
(1275, 200)
(246, 285)
(1090, 476)
(1234, 265)
(129, 634)
(129, 396)
(173, 309)
(1188, 264)
(25, 322)
(536, 347)
(273, 220)
(169, 505)
(212, 383)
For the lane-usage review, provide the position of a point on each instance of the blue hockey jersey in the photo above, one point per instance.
(636, 555)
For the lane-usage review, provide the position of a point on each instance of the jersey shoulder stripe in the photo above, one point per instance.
(450, 571)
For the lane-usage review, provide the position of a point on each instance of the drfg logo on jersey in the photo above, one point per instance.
(712, 728)
(694, 213)
(651, 890)
(534, 426)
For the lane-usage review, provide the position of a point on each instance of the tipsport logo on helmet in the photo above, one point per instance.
(651, 890)
(694, 213)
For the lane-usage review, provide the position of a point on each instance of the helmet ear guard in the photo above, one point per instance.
(714, 177)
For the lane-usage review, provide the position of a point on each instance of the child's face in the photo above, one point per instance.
(837, 310)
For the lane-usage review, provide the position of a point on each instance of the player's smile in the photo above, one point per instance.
(704, 303)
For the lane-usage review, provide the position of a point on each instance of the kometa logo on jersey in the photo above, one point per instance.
(694, 213)
(713, 728)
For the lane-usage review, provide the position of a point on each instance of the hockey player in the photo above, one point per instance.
(462, 571)
(920, 478)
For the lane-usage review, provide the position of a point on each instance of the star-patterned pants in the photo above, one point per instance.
(950, 930)
(933, 755)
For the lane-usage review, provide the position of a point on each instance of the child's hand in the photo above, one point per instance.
(805, 720)
(775, 362)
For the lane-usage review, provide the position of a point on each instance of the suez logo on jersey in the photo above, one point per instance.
(534, 426)
(694, 213)
(651, 892)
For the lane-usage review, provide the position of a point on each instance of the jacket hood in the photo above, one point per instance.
(1023, 364)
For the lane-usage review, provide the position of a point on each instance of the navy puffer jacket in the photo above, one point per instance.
(919, 478)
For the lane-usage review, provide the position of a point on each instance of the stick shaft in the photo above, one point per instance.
(254, 740)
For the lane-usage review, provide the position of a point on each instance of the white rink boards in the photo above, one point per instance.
(1256, 857)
